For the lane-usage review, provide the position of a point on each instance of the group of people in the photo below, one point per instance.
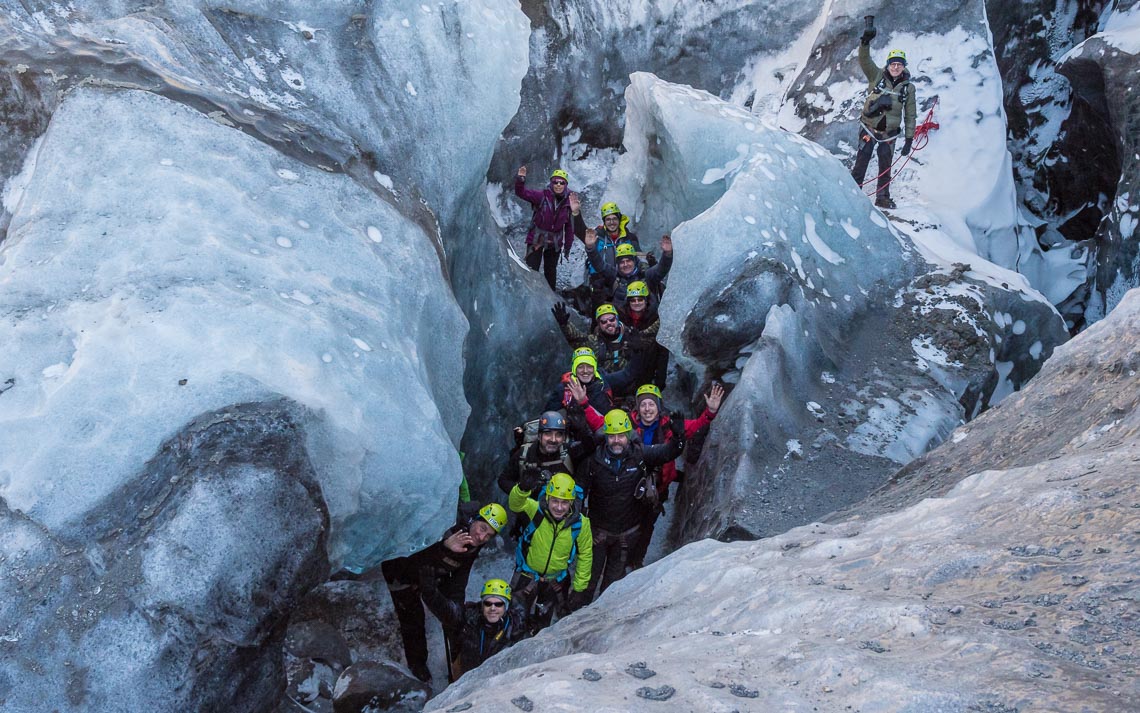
(587, 479)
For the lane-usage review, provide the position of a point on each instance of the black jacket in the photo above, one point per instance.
(617, 283)
(450, 570)
(610, 482)
(478, 639)
(529, 457)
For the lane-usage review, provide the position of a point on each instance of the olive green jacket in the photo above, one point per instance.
(902, 101)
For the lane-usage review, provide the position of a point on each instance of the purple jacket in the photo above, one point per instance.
(552, 222)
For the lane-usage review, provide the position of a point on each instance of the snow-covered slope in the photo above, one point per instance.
(1015, 590)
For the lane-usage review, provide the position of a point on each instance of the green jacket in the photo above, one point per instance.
(885, 122)
(551, 544)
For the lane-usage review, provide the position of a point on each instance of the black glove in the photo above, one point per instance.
(906, 146)
(561, 314)
(651, 259)
(529, 480)
(578, 600)
(677, 429)
(868, 35)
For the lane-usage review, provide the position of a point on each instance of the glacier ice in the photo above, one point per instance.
(158, 266)
(783, 270)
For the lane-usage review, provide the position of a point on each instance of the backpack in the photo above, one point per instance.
(523, 547)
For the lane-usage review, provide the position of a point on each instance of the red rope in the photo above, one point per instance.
(921, 139)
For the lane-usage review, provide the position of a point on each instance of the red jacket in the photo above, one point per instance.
(668, 471)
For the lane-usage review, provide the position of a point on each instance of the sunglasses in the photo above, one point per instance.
(607, 320)
(494, 604)
(558, 182)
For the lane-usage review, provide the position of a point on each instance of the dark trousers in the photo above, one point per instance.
(885, 151)
(640, 546)
(611, 554)
(410, 614)
(548, 258)
(539, 599)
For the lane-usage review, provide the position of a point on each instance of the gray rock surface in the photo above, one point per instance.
(111, 613)
(1014, 589)
(369, 686)
(1103, 70)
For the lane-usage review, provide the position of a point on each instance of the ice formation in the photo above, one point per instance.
(158, 266)
(784, 270)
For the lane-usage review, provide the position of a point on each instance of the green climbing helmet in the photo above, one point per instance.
(606, 308)
(495, 516)
(496, 588)
(610, 209)
(561, 487)
(637, 288)
(896, 56)
(625, 250)
(583, 355)
(559, 173)
(617, 422)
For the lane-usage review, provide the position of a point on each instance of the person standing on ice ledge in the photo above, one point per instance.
(890, 100)
(552, 226)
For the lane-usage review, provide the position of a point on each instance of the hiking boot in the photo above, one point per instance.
(885, 202)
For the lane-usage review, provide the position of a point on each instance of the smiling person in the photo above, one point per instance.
(613, 231)
(654, 426)
(483, 628)
(449, 563)
(628, 268)
(584, 373)
(554, 556)
(607, 339)
(552, 225)
(613, 482)
(890, 100)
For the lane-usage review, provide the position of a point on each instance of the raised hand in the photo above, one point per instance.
(522, 171)
(575, 203)
(577, 391)
(714, 397)
(529, 480)
(666, 244)
(459, 542)
(561, 314)
(591, 238)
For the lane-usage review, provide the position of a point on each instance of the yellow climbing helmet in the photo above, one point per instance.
(559, 173)
(617, 422)
(561, 487)
(496, 588)
(625, 250)
(896, 56)
(610, 209)
(583, 355)
(495, 516)
(648, 389)
(637, 288)
(607, 308)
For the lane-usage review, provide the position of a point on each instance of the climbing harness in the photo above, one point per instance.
(921, 139)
